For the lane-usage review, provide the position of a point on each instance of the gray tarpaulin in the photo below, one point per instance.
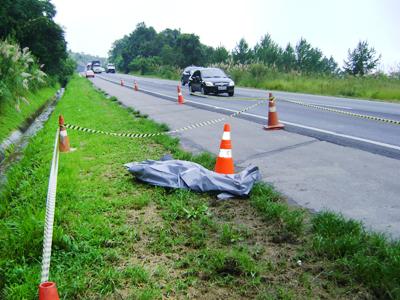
(189, 175)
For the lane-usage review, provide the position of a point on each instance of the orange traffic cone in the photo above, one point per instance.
(224, 164)
(273, 121)
(180, 96)
(122, 82)
(48, 291)
(135, 86)
(63, 144)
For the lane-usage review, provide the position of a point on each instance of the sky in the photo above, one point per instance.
(333, 26)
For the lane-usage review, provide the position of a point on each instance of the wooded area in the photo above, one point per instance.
(144, 50)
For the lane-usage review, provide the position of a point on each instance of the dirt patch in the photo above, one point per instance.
(287, 271)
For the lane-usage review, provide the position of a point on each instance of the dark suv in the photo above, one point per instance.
(187, 72)
(211, 80)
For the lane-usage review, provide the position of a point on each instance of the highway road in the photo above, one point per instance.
(323, 160)
(338, 127)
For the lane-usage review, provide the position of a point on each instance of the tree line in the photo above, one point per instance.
(29, 23)
(144, 49)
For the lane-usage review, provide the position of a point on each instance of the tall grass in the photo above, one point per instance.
(19, 73)
(21, 78)
(380, 87)
(358, 255)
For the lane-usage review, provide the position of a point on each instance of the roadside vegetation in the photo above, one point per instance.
(30, 24)
(24, 88)
(33, 60)
(375, 86)
(295, 68)
(11, 118)
(115, 237)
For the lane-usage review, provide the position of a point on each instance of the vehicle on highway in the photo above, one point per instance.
(211, 80)
(187, 72)
(110, 68)
(97, 68)
(89, 73)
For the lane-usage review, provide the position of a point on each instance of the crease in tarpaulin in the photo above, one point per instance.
(172, 173)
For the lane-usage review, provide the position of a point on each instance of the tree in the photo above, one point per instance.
(168, 55)
(267, 51)
(46, 41)
(191, 49)
(288, 59)
(242, 53)
(329, 66)
(308, 58)
(361, 60)
(170, 46)
(31, 24)
(169, 36)
(220, 55)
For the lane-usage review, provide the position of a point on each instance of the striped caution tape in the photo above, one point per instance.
(395, 122)
(50, 208)
(147, 135)
(342, 112)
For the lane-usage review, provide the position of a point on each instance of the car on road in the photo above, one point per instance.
(89, 73)
(211, 80)
(187, 72)
(110, 68)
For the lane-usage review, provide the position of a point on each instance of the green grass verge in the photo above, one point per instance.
(117, 238)
(11, 118)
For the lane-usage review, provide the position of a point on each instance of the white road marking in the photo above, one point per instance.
(316, 129)
(390, 146)
(335, 106)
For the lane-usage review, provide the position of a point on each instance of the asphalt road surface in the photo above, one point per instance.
(323, 160)
(345, 129)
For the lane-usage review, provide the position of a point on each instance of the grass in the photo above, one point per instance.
(358, 255)
(379, 87)
(115, 237)
(374, 88)
(11, 118)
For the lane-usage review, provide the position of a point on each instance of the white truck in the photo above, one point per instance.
(110, 68)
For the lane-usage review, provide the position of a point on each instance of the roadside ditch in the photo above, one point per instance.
(12, 146)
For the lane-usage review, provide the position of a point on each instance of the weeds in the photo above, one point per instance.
(365, 257)
(230, 235)
(290, 221)
(137, 275)
(217, 264)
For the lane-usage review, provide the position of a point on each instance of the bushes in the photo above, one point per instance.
(152, 66)
(377, 86)
(19, 73)
(145, 65)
